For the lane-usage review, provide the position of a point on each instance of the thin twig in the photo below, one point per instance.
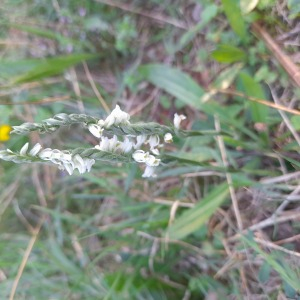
(76, 87)
(21, 217)
(276, 247)
(288, 240)
(281, 178)
(291, 68)
(25, 258)
(274, 220)
(228, 176)
(170, 203)
(285, 118)
(30, 85)
(93, 85)
(266, 223)
(232, 194)
(43, 101)
(286, 202)
(257, 100)
(177, 242)
(153, 251)
(151, 15)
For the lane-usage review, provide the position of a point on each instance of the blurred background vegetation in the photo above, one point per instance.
(227, 65)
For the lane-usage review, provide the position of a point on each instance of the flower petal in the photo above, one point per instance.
(168, 138)
(24, 149)
(140, 156)
(149, 172)
(178, 119)
(35, 150)
(95, 130)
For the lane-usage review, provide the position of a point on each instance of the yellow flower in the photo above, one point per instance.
(4, 132)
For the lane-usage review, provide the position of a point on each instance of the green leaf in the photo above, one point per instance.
(264, 272)
(175, 82)
(200, 156)
(251, 88)
(194, 218)
(295, 120)
(223, 81)
(248, 5)
(50, 67)
(235, 18)
(228, 54)
(227, 77)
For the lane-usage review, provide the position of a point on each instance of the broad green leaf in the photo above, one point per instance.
(248, 5)
(227, 77)
(194, 218)
(223, 81)
(264, 272)
(235, 18)
(175, 82)
(296, 122)
(251, 88)
(12, 68)
(50, 67)
(204, 154)
(228, 54)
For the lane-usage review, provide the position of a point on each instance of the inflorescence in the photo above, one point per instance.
(140, 142)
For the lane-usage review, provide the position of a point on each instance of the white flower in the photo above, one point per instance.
(140, 140)
(24, 149)
(95, 130)
(69, 167)
(178, 119)
(88, 163)
(109, 121)
(155, 151)
(153, 141)
(35, 150)
(56, 155)
(126, 146)
(140, 156)
(108, 145)
(46, 154)
(104, 144)
(168, 138)
(116, 117)
(82, 164)
(63, 159)
(65, 156)
(79, 163)
(113, 142)
(152, 161)
(101, 123)
(149, 172)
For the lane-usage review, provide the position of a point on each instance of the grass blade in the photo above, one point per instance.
(175, 82)
(193, 219)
